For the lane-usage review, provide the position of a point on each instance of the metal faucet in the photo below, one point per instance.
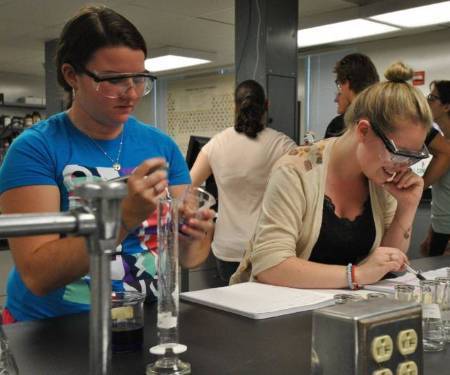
(99, 221)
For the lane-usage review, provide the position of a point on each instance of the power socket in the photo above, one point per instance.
(382, 348)
(407, 341)
(382, 371)
(407, 368)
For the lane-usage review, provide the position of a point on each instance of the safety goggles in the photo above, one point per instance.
(115, 85)
(397, 155)
(431, 97)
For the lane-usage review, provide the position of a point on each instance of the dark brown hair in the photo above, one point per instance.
(443, 89)
(358, 70)
(250, 101)
(92, 28)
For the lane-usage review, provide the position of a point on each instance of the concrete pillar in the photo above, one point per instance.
(266, 51)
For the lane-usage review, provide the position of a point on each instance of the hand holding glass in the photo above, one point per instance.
(193, 201)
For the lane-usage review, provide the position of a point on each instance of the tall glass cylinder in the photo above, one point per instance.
(433, 329)
(168, 293)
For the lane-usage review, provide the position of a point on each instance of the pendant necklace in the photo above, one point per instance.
(115, 164)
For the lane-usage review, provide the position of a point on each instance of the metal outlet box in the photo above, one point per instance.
(369, 337)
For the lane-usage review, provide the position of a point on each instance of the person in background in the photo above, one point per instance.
(240, 158)
(438, 171)
(100, 60)
(354, 73)
(339, 213)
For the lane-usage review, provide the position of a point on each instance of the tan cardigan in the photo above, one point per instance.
(291, 214)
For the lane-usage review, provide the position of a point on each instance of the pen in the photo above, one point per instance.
(125, 178)
(417, 273)
(121, 178)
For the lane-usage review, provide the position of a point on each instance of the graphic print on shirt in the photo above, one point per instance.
(134, 265)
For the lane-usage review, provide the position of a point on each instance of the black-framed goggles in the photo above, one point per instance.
(398, 155)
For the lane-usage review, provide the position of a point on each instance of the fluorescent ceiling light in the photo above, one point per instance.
(340, 31)
(170, 62)
(419, 16)
(169, 58)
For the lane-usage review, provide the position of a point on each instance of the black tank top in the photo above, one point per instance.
(342, 241)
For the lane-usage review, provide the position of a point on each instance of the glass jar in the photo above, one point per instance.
(404, 292)
(432, 327)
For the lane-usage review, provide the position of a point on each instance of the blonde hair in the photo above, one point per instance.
(387, 102)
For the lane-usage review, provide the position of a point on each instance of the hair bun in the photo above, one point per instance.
(398, 72)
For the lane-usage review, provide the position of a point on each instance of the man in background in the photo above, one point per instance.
(354, 73)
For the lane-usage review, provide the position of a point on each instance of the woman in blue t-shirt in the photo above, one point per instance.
(100, 64)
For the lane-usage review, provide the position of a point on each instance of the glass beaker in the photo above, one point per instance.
(127, 321)
(375, 295)
(344, 298)
(444, 303)
(193, 200)
(432, 327)
(404, 292)
(168, 293)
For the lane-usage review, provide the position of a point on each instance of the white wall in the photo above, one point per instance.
(428, 51)
(321, 89)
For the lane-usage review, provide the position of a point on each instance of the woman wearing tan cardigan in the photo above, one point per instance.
(339, 213)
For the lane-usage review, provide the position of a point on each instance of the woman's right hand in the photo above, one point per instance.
(381, 261)
(145, 185)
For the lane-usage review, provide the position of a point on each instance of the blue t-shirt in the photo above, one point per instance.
(55, 152)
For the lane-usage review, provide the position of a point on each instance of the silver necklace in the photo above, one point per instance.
(115, 164)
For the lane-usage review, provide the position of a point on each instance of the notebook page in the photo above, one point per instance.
(258, 301)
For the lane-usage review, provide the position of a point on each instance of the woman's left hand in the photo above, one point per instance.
(406, 188)
(199, 226)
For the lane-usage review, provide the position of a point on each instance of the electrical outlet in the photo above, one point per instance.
(407, 341)
(382, 371)
(382, 348)
(407, 368)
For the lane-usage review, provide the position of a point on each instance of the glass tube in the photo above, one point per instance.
(168, 294)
